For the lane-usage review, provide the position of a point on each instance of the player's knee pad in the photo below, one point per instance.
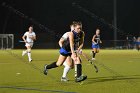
(29, 50)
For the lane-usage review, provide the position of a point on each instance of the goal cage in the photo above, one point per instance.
(6, 41)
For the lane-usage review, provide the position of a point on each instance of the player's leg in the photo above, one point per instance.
(24, 52)
(94, 48)
(97, 50)
(94, 51)
(78, 67)
(67, 66)
(60, 61)
(78, 71)
(29, 53)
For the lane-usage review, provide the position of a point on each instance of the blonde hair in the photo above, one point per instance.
(75, 23)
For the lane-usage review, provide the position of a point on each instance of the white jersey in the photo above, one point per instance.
(28, 36)
(66, 36)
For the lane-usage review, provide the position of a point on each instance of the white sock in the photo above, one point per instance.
(65, 63)
(25, 52)
(75, 70)
(29, 55)
(65, 71)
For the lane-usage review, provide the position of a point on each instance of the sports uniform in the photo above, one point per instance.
(29, 38)
(66, 51)
(96, 43)
(29, 41)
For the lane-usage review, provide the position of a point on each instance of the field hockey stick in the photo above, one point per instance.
(91, 62)
(21, 41)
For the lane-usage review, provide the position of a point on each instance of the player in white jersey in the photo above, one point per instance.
(68, 64)
(29, 38)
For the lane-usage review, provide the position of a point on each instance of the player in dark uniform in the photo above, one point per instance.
(68, 49)
(138, 43)
(95, 43)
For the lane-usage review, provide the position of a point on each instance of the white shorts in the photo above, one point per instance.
(29, 44)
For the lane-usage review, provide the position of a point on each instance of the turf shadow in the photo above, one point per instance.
(128, 79)
(34, 89)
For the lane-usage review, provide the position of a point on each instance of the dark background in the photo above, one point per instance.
(57, 15)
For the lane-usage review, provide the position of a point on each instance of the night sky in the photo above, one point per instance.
(57, 15)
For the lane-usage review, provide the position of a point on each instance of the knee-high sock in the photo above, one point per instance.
(26, 51)
(75, 74)
(93, 54)
(53, 65)
(29, 55)
(78, 70)
(66, 70)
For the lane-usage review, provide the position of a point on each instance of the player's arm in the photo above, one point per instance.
(81, 42)
(63, 38)
(61, 42)
(23, 37)
(100, 40)
(34, 37)
(71, 40)
(93, 39)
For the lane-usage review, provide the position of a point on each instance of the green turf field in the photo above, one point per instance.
(119, 72)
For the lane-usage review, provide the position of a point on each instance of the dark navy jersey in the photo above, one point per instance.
(77, 40)
(97, 39)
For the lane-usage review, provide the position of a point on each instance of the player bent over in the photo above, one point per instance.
(68, 63)
(95, 43)
(29, 38)
(68, 49)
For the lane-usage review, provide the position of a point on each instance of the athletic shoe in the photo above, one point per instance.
(81, 78)
(23, 53)
(30, 60)
(45, 70)
(64, 79)
(93, 59)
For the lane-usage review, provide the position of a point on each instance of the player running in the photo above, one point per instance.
(29, 38)
(68, 48)
(95, 43)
